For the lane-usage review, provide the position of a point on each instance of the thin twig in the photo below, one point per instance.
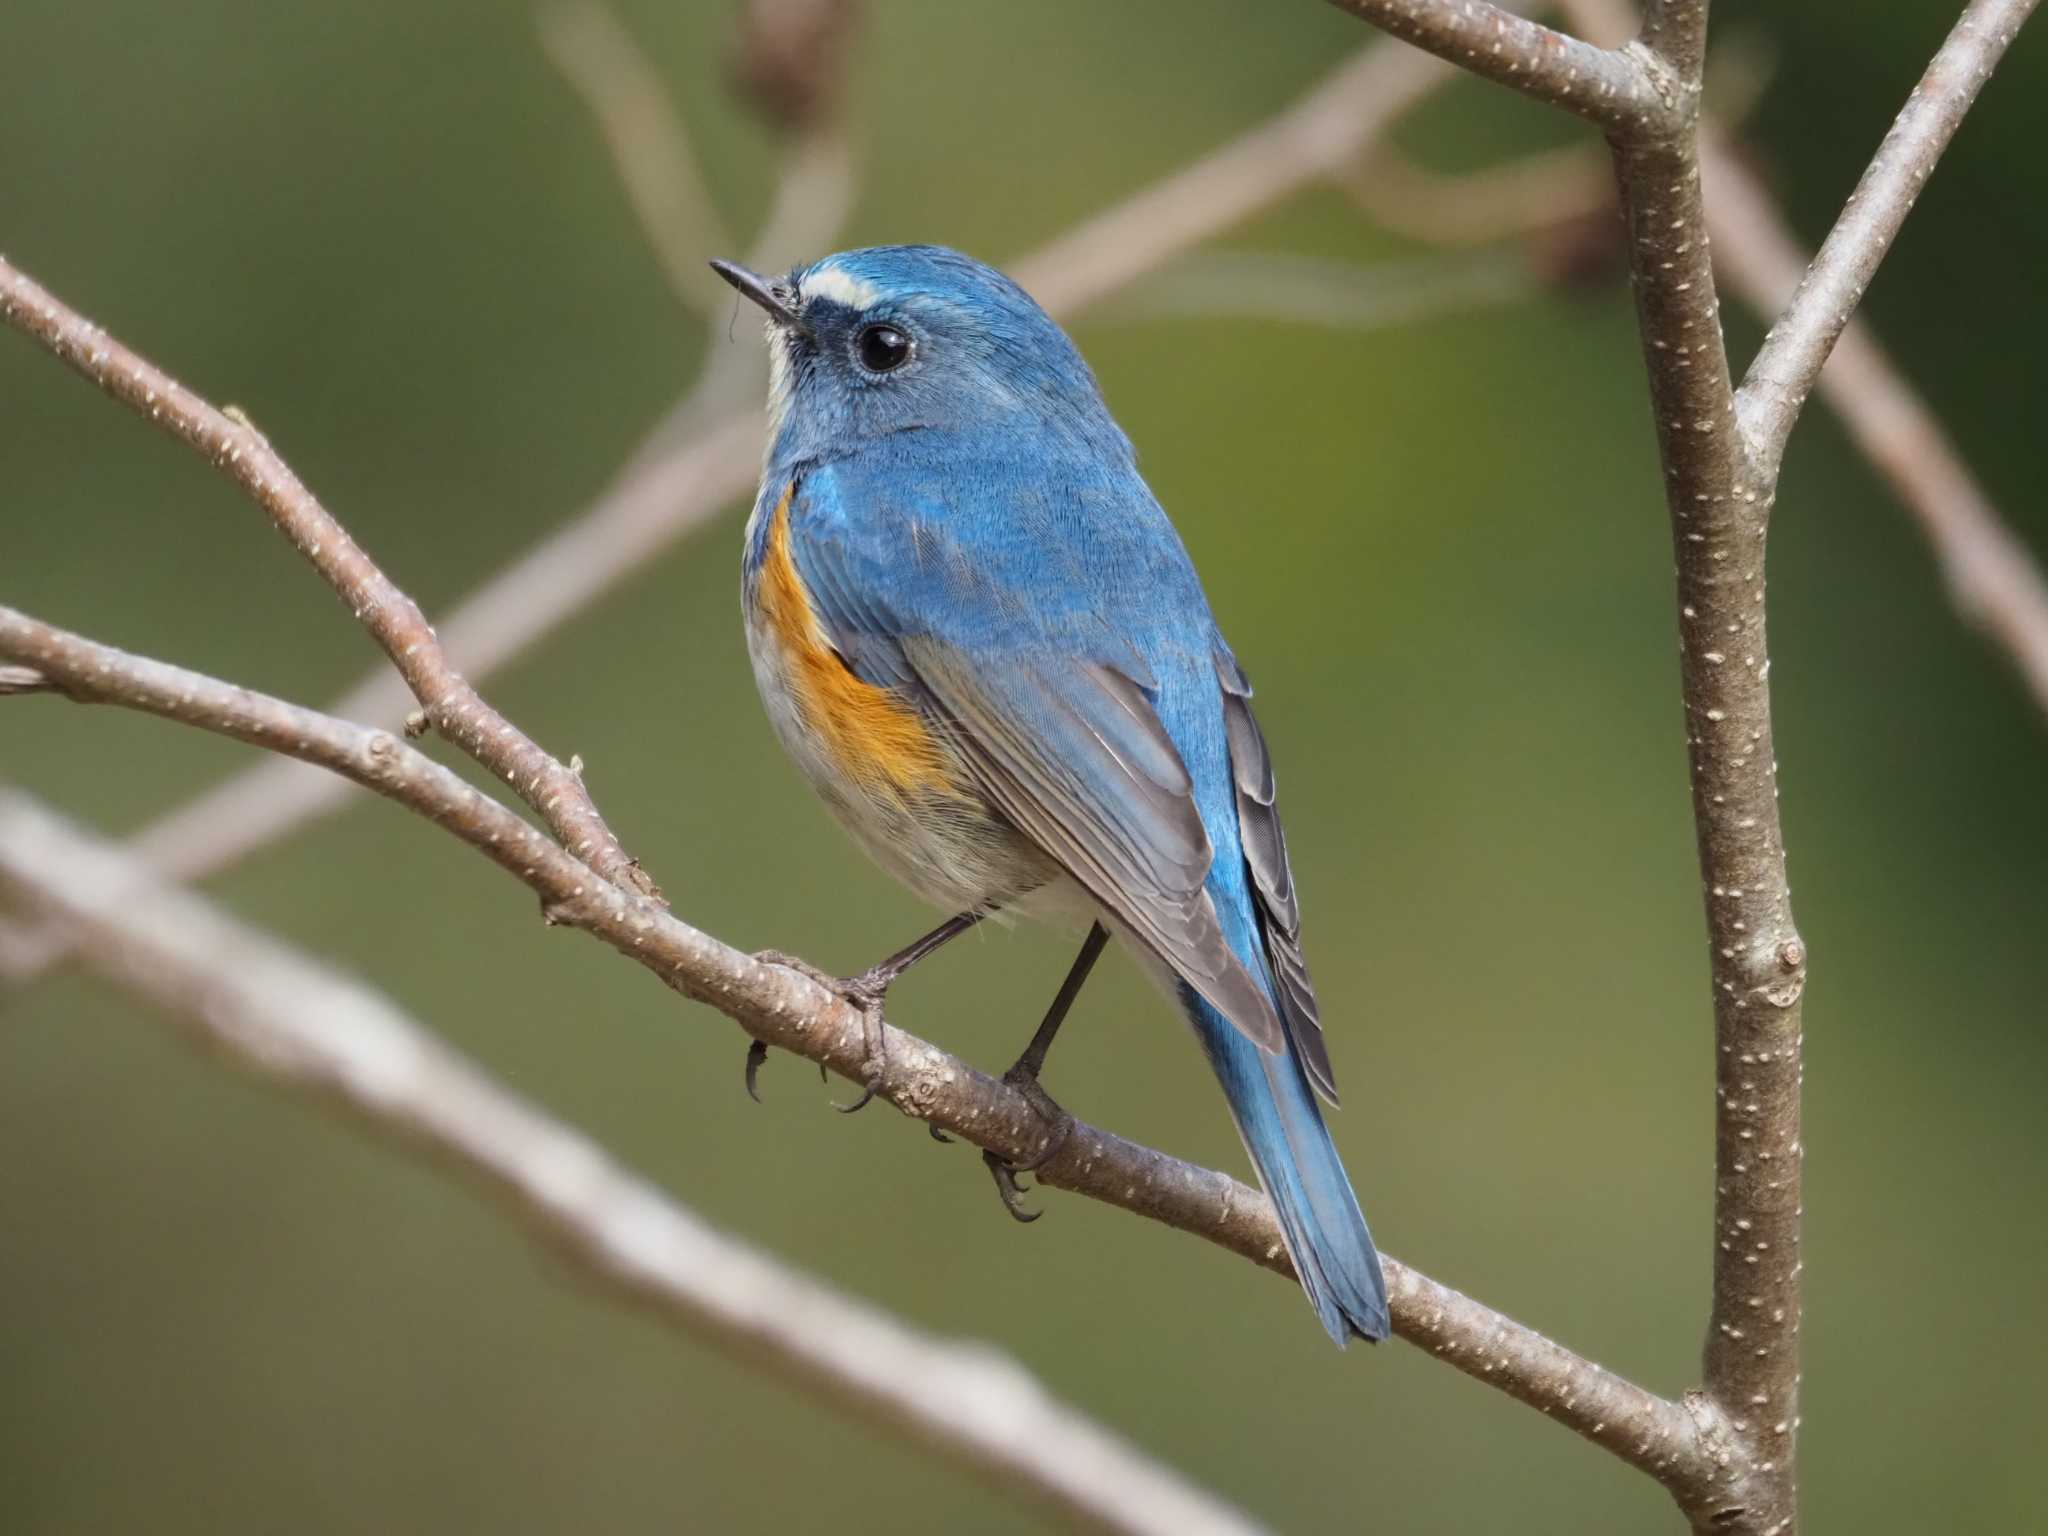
(1306, 142)
(393, 619)
(1613, 87)
(282, 1015)
(1992, 578)
(649, 145)
(813, 197)
(1792, 355)
(791, 1012)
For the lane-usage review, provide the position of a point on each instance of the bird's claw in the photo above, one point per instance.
(867, 1094)
(757, 1052)
(865, 992)
(1007, 1188)
(875, 1062)
(1059, 1126)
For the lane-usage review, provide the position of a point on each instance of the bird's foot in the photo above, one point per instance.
(1059, 1126)
(866, 992)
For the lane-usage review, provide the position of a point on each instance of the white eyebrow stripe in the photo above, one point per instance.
(840, 287)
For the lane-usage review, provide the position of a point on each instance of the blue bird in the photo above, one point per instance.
(984, 644)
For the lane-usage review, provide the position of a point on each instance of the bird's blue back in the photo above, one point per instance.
(984, 546)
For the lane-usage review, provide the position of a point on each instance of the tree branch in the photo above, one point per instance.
(1719, 510)
(276, 1012)
(1790, 361)
(1616, 88)
(1720, 485)
(1720, 481)
(789, 1011)
(1992, 578)
(1304, 143)
(1720, 453)
(236, 448)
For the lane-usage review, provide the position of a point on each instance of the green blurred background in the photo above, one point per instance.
(391, 233)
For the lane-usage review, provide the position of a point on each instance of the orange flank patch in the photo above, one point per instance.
(877, 739)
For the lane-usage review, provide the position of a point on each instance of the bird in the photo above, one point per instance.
(983, 642)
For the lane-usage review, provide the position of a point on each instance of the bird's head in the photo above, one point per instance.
(901, 338)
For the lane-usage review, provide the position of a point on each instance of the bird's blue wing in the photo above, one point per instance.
(1031, 633)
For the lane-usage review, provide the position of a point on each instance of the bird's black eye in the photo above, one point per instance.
(882, 348)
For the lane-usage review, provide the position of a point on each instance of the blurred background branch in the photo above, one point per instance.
(650, 149)
(276, 1012)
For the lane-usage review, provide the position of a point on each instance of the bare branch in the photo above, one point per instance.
(1615, 88)
(1720, 511)
(1675, 32)
(813, 196)
(1719, 505)
(1992, 578)
(1303, 144)
(649, 145)
(236, 448)
(793, 1013)
(1790, 360)
(276, 1012)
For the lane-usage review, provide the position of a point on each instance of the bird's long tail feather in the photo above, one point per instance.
(1283, 1129)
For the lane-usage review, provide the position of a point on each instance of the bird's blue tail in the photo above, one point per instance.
(1290, 1146)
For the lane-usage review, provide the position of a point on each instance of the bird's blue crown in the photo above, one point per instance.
(901, 338)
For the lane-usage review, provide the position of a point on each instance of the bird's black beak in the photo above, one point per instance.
(755, 287)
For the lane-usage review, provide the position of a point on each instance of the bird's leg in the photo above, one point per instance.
(1023, 1076)
(866, 992)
